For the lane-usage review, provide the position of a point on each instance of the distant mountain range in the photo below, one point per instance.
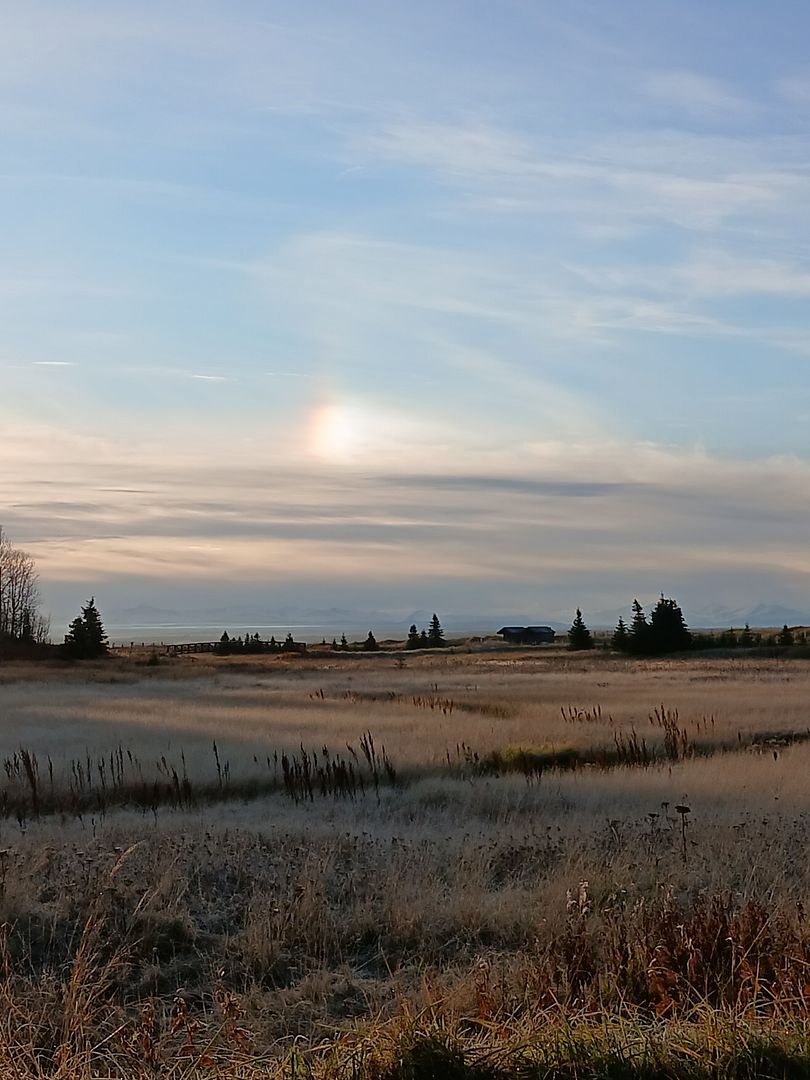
(761, 615)
(720, 618)
(247, 616)
(238, 617)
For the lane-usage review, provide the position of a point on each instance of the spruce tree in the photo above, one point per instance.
(413, 637)
(435, 633)
(76, 639)
(786, 636)
(579, 636)
(96, 634)
(423, 640)
(668, 630)
(370, 644)
(86, 637)
(746, 638)
(638, 637)
(620, 639)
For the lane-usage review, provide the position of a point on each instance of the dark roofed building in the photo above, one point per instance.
(527, 635)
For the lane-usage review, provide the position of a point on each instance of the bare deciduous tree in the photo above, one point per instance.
(20, 617)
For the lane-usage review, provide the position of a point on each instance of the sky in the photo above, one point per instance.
(456, 305)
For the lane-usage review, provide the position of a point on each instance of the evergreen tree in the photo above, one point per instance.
(423, 640)
(435, 633)
(370, 644)
(96, 634)
(76, 639)
(621, 638)
(86, 636)
(786, 636)
(746, 638)
(413, 637)
(638, 636)
(579, 636)
(668, 630)
(344, 643)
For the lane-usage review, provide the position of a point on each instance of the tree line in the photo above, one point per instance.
(253, 644)
(430, 638)
(665, 631)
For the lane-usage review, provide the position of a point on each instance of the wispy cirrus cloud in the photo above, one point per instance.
(723, 273)
(349, 287)
(697, 93)
(706, 273)
(795, 89)
(294, 255)
(695, 182)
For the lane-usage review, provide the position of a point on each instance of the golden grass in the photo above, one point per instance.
(419, 711)
(495, 918)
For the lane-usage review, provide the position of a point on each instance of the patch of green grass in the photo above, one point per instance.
(534, 759)
(722, 1048)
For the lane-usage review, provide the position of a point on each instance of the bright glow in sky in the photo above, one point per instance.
(425, 304)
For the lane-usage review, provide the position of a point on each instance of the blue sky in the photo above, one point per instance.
(451, 303)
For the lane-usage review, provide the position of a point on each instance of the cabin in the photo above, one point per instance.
(527, 635)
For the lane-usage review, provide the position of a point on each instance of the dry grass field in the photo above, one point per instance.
(469, 864)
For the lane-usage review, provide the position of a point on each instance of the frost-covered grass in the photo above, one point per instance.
(455, 916)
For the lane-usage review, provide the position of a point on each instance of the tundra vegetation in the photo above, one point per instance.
(459, 863)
